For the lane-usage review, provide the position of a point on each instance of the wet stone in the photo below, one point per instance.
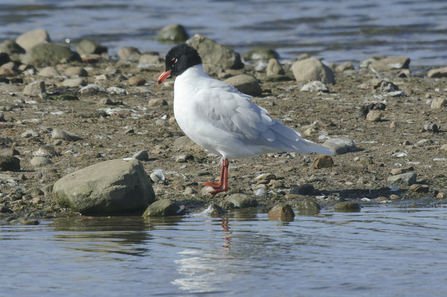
(308, 207)
(347, 207)
(161, 208)
(281, 213)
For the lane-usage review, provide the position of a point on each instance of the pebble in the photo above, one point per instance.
(305, 189)
(65, 135)
(184, 158)
(34, 89)
(8, 163)
(419, 188)
(312, 69)
(441, 195)
(129, 53)
(405, 178)
(340, 145)
(345, 66)
(40, 161)
(374, 116)
(76, 72)
(323, 161)
(93, 88)
(438, 103)
(30, 133)
(394, 197)
(116, 90)
(136, 81)
(74, 82)
(314, 87)
(157, 102)
(396, 171)
(274, 68)
(49, 72)
(443, 147)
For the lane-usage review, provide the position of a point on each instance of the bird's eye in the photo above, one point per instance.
(173, 61)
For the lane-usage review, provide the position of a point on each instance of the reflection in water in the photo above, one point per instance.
(201, 271)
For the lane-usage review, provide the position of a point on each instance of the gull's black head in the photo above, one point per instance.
(178, 60)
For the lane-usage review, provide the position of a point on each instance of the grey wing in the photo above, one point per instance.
(233, 112)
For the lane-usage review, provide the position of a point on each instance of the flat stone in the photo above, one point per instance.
(314, 87)
(129, 53)
(340, 145)
(437, 72)
(344, 67)
(390, 63)
(136, 81)
(396, 171)
(65, 135)
(34, 89)
(406, 179)
(40, 161)
(74, 82)
(49, 72)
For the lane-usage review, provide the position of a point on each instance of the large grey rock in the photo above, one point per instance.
(246, 84)
(312, 69)
(214, 53)
(172, 33)
(390, 63)
(88, 47)
(406, 179)
(50, 54)
(129, 53)
(110, 187)
(161, 208)
(340, 145)
(30, 39)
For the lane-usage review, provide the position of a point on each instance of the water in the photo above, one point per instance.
(347, 30)
(376, 252)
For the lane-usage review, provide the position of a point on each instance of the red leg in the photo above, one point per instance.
(222, 185)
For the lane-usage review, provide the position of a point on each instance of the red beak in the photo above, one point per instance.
(163, 76)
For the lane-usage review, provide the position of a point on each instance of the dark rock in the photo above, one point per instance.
(306, 189)
(8, 163)
(4, 58)
(214, 53)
